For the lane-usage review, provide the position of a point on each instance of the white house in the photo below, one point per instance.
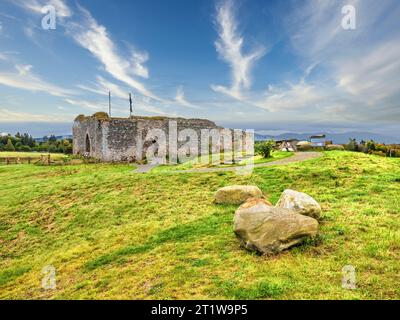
(318, 140)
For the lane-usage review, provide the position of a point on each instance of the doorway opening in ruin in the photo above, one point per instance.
(87, 144)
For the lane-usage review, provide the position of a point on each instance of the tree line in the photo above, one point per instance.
(26, 143)
(372, 147)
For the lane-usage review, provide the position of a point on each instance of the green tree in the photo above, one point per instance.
(265, 148)
(352, 145)
(52, 138)
(371, 146)
(9, 146)
(18, 146)
(25, 148)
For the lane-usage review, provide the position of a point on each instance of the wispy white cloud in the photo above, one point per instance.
(103, 87)
(292, 97)
(141, 104)
(24, 70)
(8, 16)
(87, 104)
(230, 48)
(313, 26)
(349, 76)
(29, 32)
(36, 6)
(125, 67)
(96, 39)
(361, 66)
(25, 79)
(180, 99)
(17, 116)
(375, 76)
(138, 61)
(148, 108)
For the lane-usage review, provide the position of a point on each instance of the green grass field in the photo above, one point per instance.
(114, 234)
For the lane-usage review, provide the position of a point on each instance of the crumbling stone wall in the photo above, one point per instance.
(129, 139)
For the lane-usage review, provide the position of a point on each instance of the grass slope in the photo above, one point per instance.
(111, 233)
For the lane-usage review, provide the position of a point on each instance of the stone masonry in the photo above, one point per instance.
(130, 139)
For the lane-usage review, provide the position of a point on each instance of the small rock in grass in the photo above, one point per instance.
(237, 194)
(300, 202)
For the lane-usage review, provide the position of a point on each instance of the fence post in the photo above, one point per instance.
(7, 160)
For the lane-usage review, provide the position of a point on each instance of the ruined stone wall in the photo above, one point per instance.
(84, 128)
(177, 133)
(119, 140)
(130, 139)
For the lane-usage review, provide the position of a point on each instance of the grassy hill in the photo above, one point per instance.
(112, 233)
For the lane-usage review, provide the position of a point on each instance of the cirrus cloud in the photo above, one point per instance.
(95, 38)
(25, 79)
(230, 49)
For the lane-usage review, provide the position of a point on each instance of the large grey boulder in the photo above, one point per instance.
(236, 194)
(272, 229)
(300, 202)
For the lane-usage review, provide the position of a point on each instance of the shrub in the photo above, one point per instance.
(68, 149)
(378, 153)
(101, 116)
(9, 146)
(331, 147)
(80, 118)
(370, 146)
(352, 145)
(265, 148)
(305, 147)
(25, 148)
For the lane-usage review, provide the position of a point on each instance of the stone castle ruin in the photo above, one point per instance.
(137, 138)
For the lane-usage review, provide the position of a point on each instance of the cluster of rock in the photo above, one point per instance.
(269, 229)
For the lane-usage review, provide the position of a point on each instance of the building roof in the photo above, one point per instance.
(303, 143)
(318, 136)
(286, 140)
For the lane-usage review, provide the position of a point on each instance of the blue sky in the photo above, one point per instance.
(273, 66)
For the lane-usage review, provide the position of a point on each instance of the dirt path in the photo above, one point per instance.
(297, 157)
(145, 168)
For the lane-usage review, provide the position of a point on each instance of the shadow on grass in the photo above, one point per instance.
(200, 227)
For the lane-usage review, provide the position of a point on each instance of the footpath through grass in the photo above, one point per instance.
(114, 234)
(207, 162)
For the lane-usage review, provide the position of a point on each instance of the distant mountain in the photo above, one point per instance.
(337, 138)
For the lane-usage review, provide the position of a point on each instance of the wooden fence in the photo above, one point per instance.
(44, 159)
